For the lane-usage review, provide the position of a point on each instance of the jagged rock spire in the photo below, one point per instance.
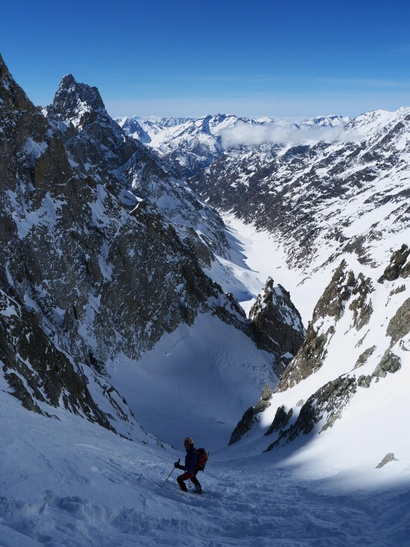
(277, 323)
(74, 99)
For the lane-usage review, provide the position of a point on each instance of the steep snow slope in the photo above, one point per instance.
(68, 482)
(194, 380)
(342, 397)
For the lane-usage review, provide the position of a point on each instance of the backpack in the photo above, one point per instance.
(203, 456)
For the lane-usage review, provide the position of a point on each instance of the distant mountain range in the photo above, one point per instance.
(320, 186)
(192, 144)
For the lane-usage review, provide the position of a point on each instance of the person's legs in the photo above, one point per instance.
(198, 487)
(182, 478)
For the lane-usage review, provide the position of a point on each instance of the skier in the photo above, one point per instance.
(190, 467)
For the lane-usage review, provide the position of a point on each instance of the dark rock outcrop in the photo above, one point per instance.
(37, 371)
(322, 409)
(277, 324)
(250, 416)
(399, 325)
(281, 420)
(399, 266)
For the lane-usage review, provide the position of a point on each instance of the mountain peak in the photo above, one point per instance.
(73, 99)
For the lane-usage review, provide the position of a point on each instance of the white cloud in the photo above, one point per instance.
(278, 133)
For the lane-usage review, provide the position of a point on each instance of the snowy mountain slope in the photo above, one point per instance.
(97, 147)
(169, 134)
(190, 145)
(68, 482)
(207, 373)
(36, 187)
(319, 204)
(108, 155)
(87, 275)
(187, 144)
(340, 405)
(105, 295)
(321, 199)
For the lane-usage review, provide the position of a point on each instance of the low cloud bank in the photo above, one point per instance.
(279, 133)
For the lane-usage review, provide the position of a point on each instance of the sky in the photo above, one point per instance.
(278, 58)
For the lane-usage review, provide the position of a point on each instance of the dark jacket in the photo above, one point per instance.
(191, 459)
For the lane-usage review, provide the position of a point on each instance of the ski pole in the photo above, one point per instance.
(170, 473)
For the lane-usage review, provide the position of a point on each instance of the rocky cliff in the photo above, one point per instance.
(358, 336)
(277, 324)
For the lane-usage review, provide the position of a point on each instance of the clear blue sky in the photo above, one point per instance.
(192, 57)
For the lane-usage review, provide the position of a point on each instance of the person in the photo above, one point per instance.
(190, 467)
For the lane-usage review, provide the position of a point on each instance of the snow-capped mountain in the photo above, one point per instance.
(97, 147)
(349, 376)
(190, 145)
(321, 199)
(335, 209)
(332, 194)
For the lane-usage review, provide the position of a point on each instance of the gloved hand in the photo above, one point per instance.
(176, 464)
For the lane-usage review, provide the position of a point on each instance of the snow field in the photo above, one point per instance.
(192, 379)
(67, 482)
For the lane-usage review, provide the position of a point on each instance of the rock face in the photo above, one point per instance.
(39, 245)
(39, 372)
(101, 252)
(398, 267)
(350, 345)
(346, 290)
(346, 294)
(98, 148)
(278, 325)
(250, 416)
(323, 407)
